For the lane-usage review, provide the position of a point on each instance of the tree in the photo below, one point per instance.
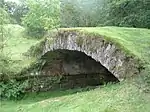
(131, 13)
(42, 16)
(69, 14)
(85, 13)
(16, 11)
(4, 19)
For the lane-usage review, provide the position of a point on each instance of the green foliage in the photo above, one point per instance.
(79, 13)
(12, 89)
(16, 11)
(68, 9)
(4, 17)
(131, 13)
(37, 49)
(2, 3)
(4, 65)
(4, 37)
(42, 16)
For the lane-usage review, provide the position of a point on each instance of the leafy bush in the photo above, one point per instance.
(12, 89)
(4, 64)
(4, 17)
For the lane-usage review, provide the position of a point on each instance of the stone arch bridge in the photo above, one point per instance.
(107, 53)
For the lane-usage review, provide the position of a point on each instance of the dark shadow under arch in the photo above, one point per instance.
(77, 69)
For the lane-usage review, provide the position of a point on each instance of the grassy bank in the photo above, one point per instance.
(124, 97)
(17, 43)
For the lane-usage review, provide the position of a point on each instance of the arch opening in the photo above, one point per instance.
(77, 69)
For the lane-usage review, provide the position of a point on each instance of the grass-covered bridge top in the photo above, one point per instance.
(135, 41)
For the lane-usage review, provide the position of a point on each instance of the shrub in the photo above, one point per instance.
(12, 89)
(4, 64)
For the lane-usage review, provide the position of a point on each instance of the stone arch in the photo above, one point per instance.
(97, 47)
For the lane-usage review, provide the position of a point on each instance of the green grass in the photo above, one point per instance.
(18, 43)
(122, 97)
(135, 41)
